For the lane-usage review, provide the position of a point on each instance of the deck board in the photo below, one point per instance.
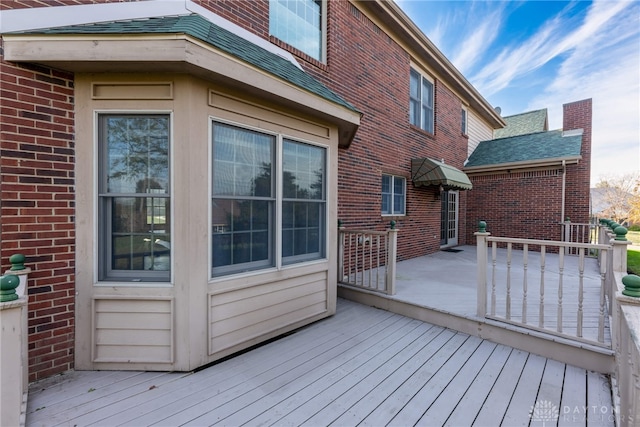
(362, 366)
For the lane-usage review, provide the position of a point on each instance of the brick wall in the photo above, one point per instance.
(520, 204)
(529, 204)
(37, 193)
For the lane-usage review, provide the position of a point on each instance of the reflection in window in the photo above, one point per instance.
(245, 203)
(243, 199)
(298, 23)
(420, 101)
(134, 197)
(304, 202)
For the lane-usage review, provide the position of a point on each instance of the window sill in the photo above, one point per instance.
(422, 131)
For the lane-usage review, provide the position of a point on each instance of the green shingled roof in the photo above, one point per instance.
(525, 148)
(198, 27)
(523, 124)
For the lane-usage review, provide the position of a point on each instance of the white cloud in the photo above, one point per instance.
(604, 65)
(478, 40)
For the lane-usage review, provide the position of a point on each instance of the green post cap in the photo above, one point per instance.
(631, 284)
(17, 262)
(621, 233)
(8, 285)
(392, 224)
(482, 227)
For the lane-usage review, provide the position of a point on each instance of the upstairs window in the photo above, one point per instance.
(463, 124)
(134, 197)
(393, 195)
(421, 101)
(299, 23)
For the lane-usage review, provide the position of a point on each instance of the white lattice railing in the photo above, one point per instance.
(367, 259)
(567, 297)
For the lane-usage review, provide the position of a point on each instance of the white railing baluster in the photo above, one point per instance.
(603, 286)
(561, 271)
(494, 255)
(542, 265)
(580, 291)
(378, 264)
(525, 259)
(509, 247)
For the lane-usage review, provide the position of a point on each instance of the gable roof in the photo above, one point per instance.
(200, 28)
(536, 149)
(524, 123)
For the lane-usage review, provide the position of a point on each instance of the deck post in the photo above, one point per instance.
(13, 338)
(620, 244)
(391, 261)
(481, 243)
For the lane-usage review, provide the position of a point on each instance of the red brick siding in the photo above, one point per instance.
(520, 204)
(37, 193)
(577, 115)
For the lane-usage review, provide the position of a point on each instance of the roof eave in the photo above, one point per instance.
(174, 53)
(528, 164)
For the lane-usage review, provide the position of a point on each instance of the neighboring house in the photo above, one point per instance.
(528, 179)
(175, 171)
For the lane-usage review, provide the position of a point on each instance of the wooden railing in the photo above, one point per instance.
(367, 259)
(573, 232)
(525, 289)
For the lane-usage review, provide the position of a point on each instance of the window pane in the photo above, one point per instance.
(137, 153)
(303, 171)
(298, 23)
(427, 105)
(243, 203)
(303, 207)
(134, 200)
(414, 98)
(242, 162)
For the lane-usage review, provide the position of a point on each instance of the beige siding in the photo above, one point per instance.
(478, 130)
(194, 319)
(133, 330)
(239, 316)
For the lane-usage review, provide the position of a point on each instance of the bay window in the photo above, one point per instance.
(246, 203)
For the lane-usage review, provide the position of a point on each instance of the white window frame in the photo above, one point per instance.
(392, 194)
(293, 39)
(138, 277)
(424, 108)
(280, 262)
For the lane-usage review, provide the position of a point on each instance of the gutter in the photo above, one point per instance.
(527, 164)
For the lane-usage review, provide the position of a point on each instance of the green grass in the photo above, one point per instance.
(634, 236)
(633, 261)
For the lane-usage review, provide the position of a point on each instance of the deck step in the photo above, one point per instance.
(580, 354)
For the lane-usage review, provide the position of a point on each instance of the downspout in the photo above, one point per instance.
(564, 189)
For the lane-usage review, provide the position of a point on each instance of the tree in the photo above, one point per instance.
(618, 198)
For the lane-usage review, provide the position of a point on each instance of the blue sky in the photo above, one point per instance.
(529, 55)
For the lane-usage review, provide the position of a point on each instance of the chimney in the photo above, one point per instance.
(577, 115)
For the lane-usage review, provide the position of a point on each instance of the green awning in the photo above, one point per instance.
(427, 171)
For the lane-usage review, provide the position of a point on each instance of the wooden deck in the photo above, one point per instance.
(363, 366)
